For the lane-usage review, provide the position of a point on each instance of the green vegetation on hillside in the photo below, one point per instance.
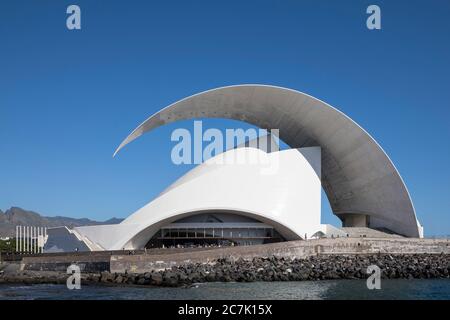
(8, 245)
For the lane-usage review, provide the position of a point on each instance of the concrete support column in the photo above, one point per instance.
(45, 237)
(39, 238)
(354, 220)
(24, 241)
(17, 238)
(33, 239)
(28, 239)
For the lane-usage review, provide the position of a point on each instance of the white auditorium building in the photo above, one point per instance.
(228, 202)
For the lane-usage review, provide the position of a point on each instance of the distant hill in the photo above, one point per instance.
(18, 216)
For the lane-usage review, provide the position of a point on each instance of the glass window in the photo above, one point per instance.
(209, 233)
(182, 233)
(226, 233)
(191, 233)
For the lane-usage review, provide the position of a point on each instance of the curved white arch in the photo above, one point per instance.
(357, 175)
(288, 200)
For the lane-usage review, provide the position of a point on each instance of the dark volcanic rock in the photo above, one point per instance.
(327, 267)
(170, 279)
(156, 278)
(119, 279)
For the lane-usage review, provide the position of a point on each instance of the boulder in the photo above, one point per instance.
(156, 278)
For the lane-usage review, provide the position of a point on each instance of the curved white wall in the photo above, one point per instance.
(287, 196)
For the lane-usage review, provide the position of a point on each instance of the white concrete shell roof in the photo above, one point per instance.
(281, 189)
(357, 175)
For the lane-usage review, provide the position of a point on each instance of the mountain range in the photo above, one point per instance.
(18, 216)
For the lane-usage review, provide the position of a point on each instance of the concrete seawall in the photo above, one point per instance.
(324, 259)
(94, 263)
(292, 249)
(91, 262)
(160, 259)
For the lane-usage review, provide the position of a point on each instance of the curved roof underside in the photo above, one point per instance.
(357, 175)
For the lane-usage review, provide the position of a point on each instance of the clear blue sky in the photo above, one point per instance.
(68, 98)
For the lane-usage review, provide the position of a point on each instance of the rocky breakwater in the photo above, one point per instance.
(324, 267)
(321, 267)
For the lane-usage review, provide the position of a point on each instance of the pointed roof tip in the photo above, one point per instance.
(126, 141)
(119, 148)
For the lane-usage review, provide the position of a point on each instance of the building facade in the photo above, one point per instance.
(246, 206)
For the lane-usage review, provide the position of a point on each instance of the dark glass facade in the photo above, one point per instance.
(214, 229)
